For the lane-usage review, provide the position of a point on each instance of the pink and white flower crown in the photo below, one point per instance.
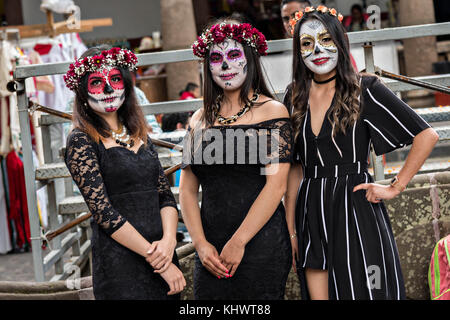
(114, 57)
(322, 9)
(243, 33)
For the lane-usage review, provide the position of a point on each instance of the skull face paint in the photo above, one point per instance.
(318, 50)
(106, 90)
(228, 64)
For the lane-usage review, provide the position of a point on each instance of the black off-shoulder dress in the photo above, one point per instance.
(231, 180)
(120, 185)
(339, 230)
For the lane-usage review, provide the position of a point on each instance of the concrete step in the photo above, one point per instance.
(444, 132)
(429, 166)
(435, 114)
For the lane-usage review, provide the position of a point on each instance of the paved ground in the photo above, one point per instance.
(19, 266)
(16, 267)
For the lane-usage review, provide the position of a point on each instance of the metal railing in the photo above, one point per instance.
(77, 239)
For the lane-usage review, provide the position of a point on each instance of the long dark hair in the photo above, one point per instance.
(345, 111)
(254, 81)
(130, 114)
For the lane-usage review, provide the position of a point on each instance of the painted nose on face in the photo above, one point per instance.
(108, 89)
(224, 65)
(317, 50)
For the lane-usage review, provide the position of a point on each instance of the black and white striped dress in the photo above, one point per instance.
(339, 230)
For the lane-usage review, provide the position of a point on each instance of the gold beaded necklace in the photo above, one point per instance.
(222, 120)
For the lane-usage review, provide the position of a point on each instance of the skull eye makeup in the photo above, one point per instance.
(95, 82)
(307, 44)
(234, 54)
(216, 57)
(116, 78)
(325, 39)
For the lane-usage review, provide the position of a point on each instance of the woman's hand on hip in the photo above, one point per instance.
(377, 192)
(174, 278)
(210, 259)
(160, 253)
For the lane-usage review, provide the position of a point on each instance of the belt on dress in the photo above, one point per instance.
(336, 170)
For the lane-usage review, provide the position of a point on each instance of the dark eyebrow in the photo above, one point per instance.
(96, 78)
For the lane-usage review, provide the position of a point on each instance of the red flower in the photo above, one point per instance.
(298, 15)
(322, 9)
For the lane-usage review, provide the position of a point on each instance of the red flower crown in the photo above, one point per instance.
(243, 33)
(114, 57)
(322, 9)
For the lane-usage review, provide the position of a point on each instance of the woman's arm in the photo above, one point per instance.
(190, 210)
(290, 198)
(421, 148)
(260, 212)
(82, 161)
(161, 252)
(130, 238)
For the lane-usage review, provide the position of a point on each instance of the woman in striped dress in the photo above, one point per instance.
(345, 248)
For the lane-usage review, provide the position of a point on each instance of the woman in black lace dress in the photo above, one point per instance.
(346, 249)
(117, 170)
(238, 150)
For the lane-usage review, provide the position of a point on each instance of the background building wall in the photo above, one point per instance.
(131, 19)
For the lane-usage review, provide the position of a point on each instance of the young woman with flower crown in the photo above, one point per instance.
(117, 170)
(345, 245)
(240, 233)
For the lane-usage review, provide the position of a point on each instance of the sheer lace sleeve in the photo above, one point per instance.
(281, 138)
(166, 198)
(82, 161)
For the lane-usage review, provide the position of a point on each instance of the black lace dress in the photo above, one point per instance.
(120, 185)
(231, 181)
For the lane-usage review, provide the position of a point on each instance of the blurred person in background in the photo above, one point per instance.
(175, 121)
(357, 20)
(192, 91)
(288, 8)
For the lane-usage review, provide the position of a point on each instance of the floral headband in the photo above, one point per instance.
(243, 33)
(114, 57)
(322, 9)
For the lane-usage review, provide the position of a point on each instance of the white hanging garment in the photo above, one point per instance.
(5, 77)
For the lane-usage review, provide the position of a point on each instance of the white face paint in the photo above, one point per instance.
(106, 90)
(318, 50)
(228, 64)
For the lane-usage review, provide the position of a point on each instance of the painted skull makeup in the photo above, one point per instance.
(106, 90)
(228, 64)
(318, 50)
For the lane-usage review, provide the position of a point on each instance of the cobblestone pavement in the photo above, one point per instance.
(19, 267)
